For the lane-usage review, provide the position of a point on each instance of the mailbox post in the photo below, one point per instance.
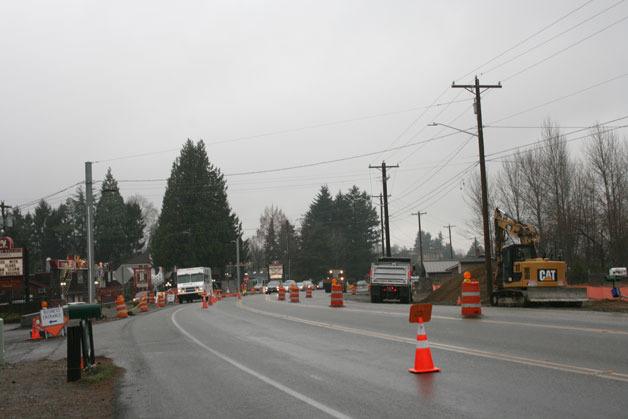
(80, 338)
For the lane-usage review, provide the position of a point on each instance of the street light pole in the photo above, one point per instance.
(90, 231)
(238, 264)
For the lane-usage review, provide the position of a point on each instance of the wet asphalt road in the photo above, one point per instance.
(269, 359)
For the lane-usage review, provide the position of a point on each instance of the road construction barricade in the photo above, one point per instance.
(161, 299)
(336, 296)
(121, 311)
(204, 303)
(281, 293)
(151, 298)
(470, 302)
(294, 294)
(143, 303)
(49, 322)
(423, 363)
(308, 292)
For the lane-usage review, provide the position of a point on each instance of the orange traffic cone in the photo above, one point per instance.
(35, 329)
(122, 312)
(422, 355)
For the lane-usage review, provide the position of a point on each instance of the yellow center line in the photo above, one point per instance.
(606, 374)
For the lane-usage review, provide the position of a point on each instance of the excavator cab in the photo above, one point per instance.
(510, 256)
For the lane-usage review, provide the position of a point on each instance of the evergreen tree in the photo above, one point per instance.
(271, 244)
(196, 226)
(360, 233)
(78, 220)
(110, 223)
(134, 228)
(317, 252)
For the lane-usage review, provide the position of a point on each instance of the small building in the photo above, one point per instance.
(441, 271)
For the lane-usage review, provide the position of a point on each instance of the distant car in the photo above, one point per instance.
(288, 284)
(258, 287)
(320, 285)
(300, 286)
(306, 284)
(362, 286)
(272, 286)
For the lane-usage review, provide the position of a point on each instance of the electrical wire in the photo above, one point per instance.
(553, 37)
(284, 131)
(43, 198)
(549, 102)
(568, 47)
(518, 44)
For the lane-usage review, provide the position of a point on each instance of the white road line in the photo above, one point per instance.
(317, 405)
(482, 320)
(606, 374)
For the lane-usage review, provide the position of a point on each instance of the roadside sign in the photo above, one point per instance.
(275, 271)
(423, 311)
(51, 316)
(170, 298)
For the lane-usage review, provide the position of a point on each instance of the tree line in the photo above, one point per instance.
(336, 232)
(120, 228)
(579, 203)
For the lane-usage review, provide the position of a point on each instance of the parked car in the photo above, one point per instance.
(258, 287)
(362, 286)
(287, 284)
(300, 286)
(272, 286)
(306, 284)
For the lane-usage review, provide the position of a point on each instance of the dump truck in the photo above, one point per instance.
(522, 276)
(391, 279)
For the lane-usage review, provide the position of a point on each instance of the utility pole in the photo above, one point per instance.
(3, 208)
(418, 214)
(381, 220)
(90, 230)
(383, 168)
(475, 89)
(238, 264)
(451, 246)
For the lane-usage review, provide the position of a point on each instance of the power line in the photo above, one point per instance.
(532, 108)
(518, 44)
(553, 37)
(287, 131)
(568, 47)
(445, 162)
(565, 134)
(36, 201)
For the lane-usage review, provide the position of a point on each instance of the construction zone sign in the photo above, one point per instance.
(420, 313)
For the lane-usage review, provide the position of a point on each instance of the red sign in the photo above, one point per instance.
(420, 311)
(6, 242)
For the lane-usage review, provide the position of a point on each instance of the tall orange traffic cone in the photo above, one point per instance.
(422, 355)
(35, 329)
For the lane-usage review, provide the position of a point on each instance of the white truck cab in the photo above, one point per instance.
(192, 282)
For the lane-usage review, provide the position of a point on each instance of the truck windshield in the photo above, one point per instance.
(183, 279)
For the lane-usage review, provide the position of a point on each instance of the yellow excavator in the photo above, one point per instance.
(522, 277)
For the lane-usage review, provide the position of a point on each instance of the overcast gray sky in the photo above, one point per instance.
(95, 80)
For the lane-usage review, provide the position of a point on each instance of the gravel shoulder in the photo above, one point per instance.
(39, 389)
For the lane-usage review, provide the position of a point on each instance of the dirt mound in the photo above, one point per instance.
(449, 292)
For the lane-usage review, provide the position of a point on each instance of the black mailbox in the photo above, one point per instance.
(84, 311)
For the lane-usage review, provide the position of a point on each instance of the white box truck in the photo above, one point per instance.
(192, 282)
